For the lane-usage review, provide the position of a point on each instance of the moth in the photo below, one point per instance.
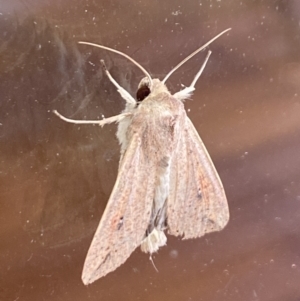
(166, 180)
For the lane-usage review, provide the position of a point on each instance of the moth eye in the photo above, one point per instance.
(142, 93)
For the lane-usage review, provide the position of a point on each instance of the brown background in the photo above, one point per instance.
(55, 178)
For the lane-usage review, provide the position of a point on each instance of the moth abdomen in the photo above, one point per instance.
(154, 241)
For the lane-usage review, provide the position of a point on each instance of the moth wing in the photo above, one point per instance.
(126, 216)
(197, 203)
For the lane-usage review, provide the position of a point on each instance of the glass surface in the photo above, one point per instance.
(56, 178)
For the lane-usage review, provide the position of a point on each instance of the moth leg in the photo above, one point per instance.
(187, 91)
(102, 122)
(125, 95)
(201, 70)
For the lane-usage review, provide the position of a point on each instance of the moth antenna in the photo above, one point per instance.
(201, 70)
(123, 54)
(151, 259)
(109, 75)
(192, 54)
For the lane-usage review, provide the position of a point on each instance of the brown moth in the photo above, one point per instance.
(166, 179)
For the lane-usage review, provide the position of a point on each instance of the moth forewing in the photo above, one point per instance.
(166, 179)
(126, 216)
(197, 203)
(215, 193)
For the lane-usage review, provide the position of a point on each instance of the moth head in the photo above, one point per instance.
(143, 89)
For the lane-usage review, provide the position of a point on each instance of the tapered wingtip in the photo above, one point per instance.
(86, 280)
(89, 273)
